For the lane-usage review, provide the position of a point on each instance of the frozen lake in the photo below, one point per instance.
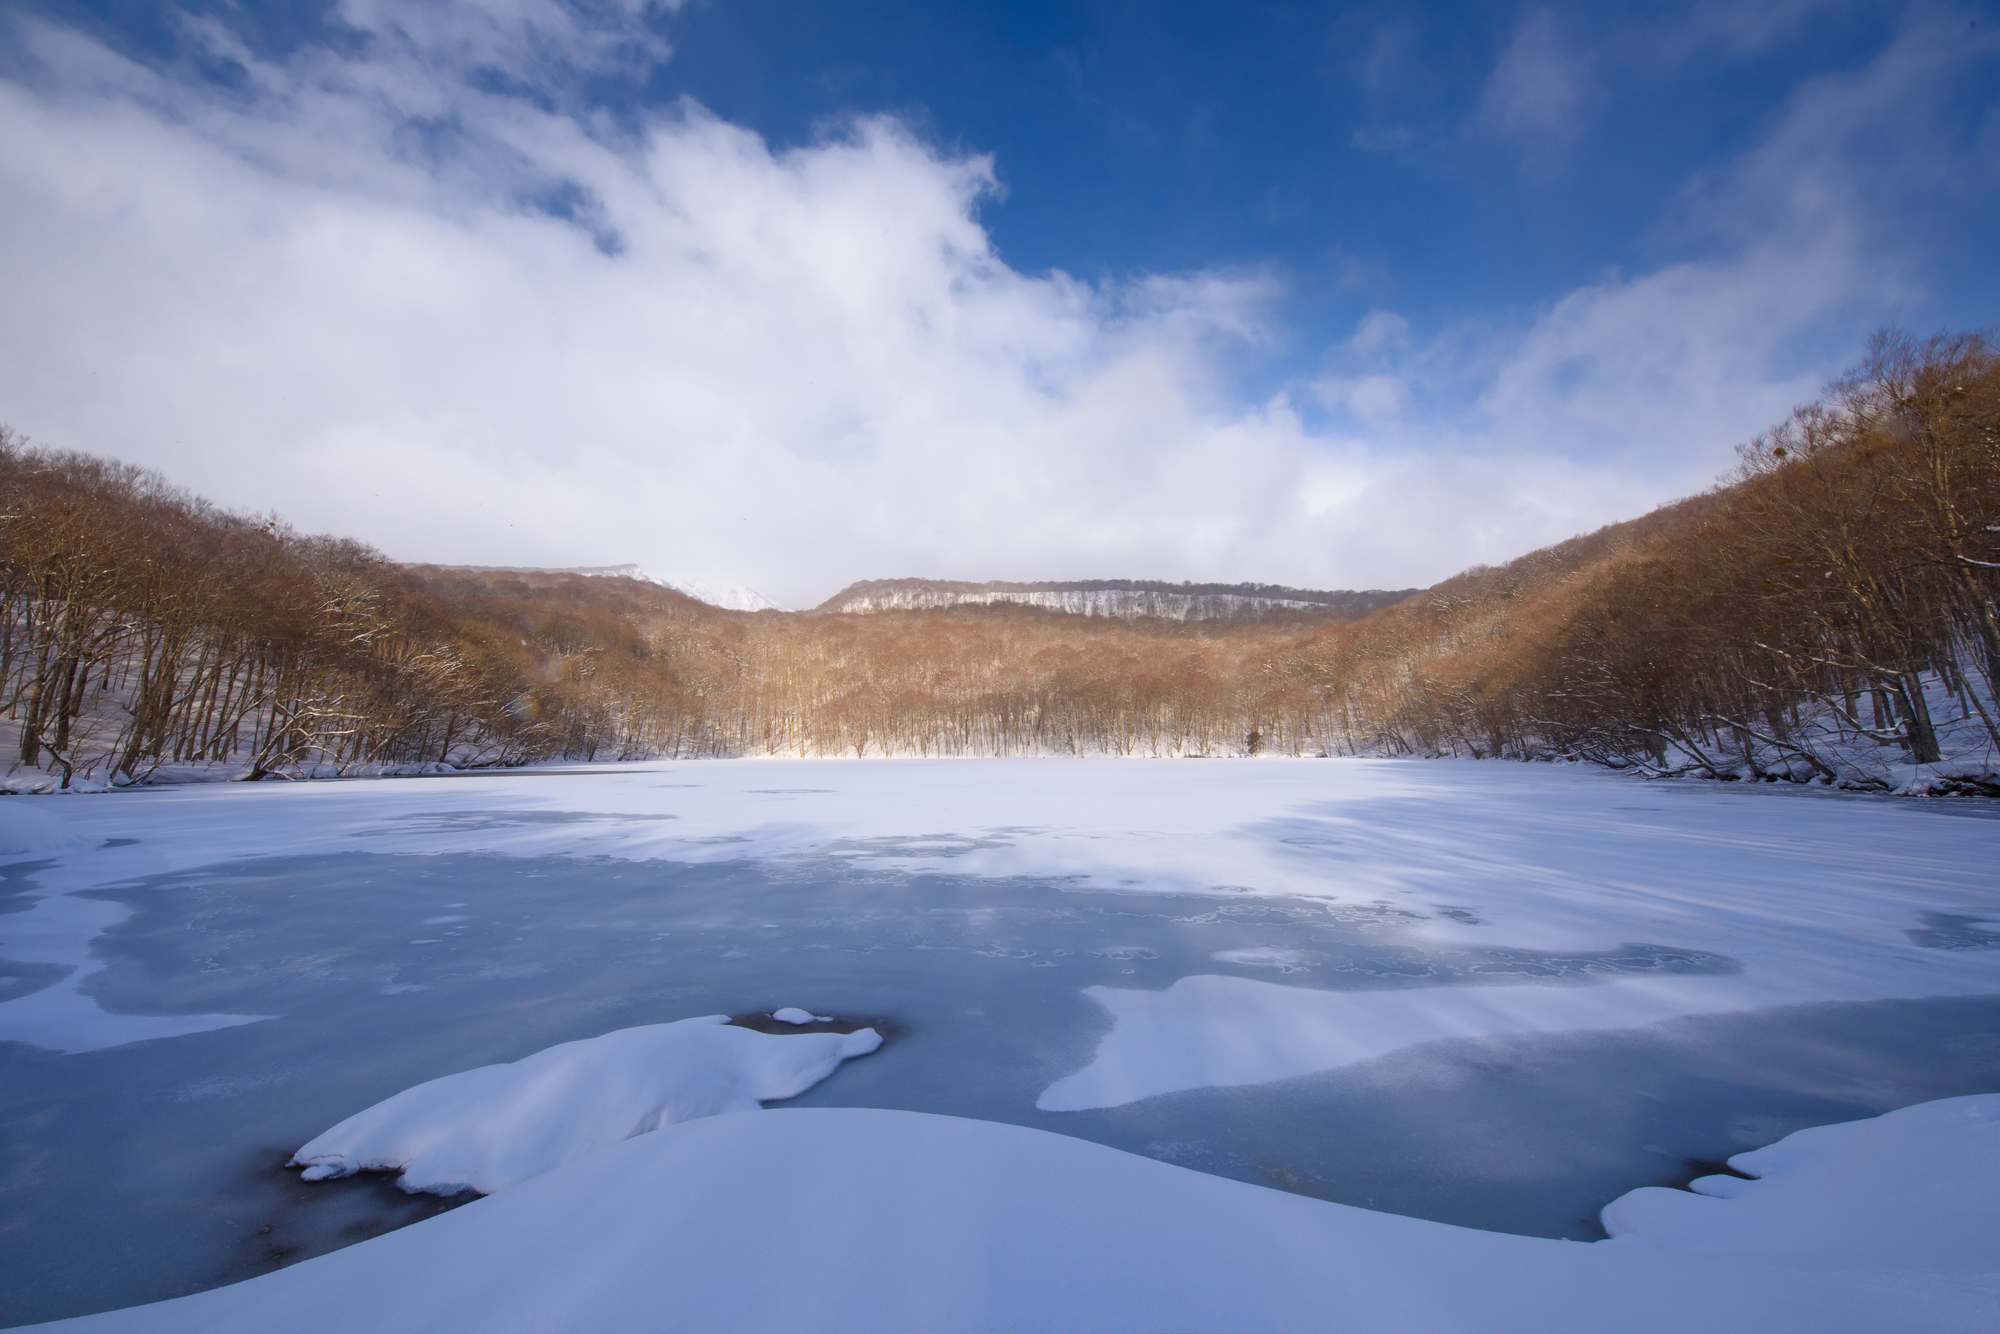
(1493, 995)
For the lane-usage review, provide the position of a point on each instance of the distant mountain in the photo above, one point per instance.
(1123, 598)
(732, 597)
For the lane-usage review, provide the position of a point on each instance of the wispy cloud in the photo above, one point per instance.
(1535, 96)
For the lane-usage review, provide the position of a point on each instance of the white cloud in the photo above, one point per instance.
(1535, 94)
(339, 290)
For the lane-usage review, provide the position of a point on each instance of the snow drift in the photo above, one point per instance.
(1210, 1031)
(498, 1125)
(822, 1220)
(25, 830)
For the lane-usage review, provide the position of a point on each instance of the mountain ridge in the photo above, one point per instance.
(1120, 598)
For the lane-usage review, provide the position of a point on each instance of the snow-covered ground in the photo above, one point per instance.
(1162, 955)
(869, 1221)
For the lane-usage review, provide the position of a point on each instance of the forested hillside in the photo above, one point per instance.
(1831, 613)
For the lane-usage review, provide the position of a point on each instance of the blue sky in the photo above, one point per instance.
(789, 294)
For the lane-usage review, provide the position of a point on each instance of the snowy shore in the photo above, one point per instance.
(831, 1221)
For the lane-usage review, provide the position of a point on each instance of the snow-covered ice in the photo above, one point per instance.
(495, 1126)
(1221, 1032)
(827, 1220)
(1490, 994)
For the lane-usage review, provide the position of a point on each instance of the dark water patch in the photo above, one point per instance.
(299, 1220)
(18, 890)
(117, 843)
(1953, 931)
(1693, 1169)
(762, 1021)
(1535, 1134)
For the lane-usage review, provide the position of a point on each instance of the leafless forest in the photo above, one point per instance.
(1838, 597)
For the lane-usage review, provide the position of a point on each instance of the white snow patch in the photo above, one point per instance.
(498, 1125)
(733, 597)
(1914, 1189)
(1210, 1031)
(59, 930)
(792, 1014)
(838, 1220)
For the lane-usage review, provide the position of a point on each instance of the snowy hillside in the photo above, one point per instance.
(1118, 598)
(730, 597)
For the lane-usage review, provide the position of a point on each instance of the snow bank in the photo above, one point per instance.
(27, 828)
(824, 1221)
(792, 1014)
(498, 1125)
(1915, 1189)
(1210, 1031)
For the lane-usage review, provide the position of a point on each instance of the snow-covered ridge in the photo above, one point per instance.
(1123, 598)
(498, 1125)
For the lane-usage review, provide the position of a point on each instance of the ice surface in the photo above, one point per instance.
(55, 934)
(1207, 1031)
(975, 904)
(497, 1125)
(841, 1220)
(1812, 891)
(1917, 1189)
(792, 1014)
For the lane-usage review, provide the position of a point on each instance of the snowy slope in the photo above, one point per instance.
(825, 1220)
(497, 1125)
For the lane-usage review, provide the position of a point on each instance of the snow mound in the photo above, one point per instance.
(844, 1220)
(1212, 1031)
(498, 1125)
(28, 829)
(792, 1014)
(1913, 1189)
